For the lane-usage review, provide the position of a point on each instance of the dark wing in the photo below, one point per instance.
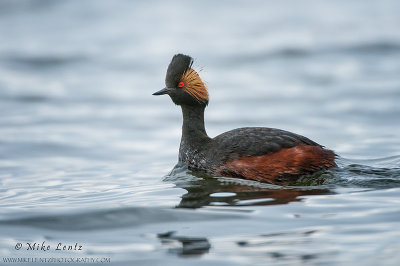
(254, 141)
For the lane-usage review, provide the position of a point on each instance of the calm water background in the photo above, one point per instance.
(86, 152)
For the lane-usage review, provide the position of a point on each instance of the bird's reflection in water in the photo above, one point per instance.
(204, 190)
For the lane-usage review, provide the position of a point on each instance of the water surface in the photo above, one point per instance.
(87, 155)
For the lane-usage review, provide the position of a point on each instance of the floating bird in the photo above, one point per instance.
(256, 153)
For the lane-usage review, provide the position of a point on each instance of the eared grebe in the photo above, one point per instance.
(256, 153)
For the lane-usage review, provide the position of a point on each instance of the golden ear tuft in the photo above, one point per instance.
(194, 85)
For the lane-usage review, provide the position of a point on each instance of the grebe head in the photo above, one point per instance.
(183, 83)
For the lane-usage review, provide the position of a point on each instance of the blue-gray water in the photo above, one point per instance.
(86, 152)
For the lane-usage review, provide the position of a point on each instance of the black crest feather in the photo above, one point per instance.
(179, 64)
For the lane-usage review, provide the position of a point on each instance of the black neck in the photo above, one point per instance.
(193, 130)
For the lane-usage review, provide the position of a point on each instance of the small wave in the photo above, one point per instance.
(7, 7)
(184, 245)
(385, 162)
(113, 218)
(371, 174)
(30, 98)
(373, 48)
(43, 61)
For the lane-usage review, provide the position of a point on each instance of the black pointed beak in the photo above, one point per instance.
(163, 91)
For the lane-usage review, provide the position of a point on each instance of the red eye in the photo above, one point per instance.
(181, 84)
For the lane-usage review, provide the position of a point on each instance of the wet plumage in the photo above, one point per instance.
(257, 153)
